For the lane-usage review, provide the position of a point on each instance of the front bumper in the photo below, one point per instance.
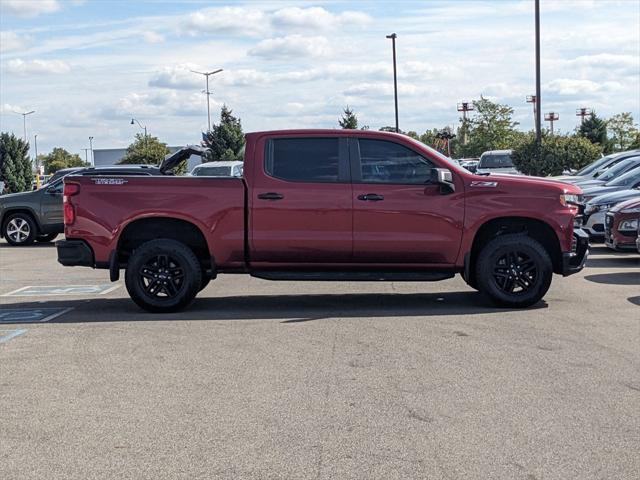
(573, 261)
(75, 253)
(594, 225)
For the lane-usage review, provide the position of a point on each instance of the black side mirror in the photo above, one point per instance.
(444, 178)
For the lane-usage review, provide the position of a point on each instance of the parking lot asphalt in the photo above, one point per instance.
(317, 380)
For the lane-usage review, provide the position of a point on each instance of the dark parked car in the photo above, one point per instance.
(621, 225)
(597, 168)
(611, 174)
(627, 181)
(37, 215)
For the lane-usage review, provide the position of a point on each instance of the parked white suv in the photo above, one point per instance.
(218, 169)
(496, 161)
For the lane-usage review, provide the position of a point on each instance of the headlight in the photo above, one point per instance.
(626, 225)
(569, 199)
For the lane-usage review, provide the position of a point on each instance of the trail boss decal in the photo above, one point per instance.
(478, 183)
(110, 181)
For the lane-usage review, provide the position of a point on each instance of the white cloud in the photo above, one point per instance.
(291, 46)
(29, 8)
(237, 20)
(11, 41)
(317, 18)
(33, 67)
(179, 77)
(152, 37)
(572, 86)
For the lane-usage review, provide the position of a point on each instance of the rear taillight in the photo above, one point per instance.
(70, 189)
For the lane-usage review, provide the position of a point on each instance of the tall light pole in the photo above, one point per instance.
(207, 75)
(144, 127)
(532, 99)
(583, 112)
(393, 37)
(93, 162)
(86, 159)
(551, 117)
(538, 97)
(465, 107)
(35, 146)
(24, 121)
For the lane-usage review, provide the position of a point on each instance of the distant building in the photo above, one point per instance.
(105, 157)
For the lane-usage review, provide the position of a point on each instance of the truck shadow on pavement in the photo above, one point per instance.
(286, 308)
(634, 300)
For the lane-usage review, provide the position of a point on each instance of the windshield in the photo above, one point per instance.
(592, 167)
(620, 168)
(629, 179)
(212, 172)
(501, 160)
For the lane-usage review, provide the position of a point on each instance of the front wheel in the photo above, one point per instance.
(163, 276)
(514, 270)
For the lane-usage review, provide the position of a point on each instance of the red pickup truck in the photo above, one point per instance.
(326, 205)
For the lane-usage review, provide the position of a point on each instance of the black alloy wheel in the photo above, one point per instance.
(515, 272)
(161, 276)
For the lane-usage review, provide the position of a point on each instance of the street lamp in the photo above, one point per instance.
(538, 98)
(532, 99)
(465, 107)
(207, 75)
(24, 122)
(393, 37)
(93, 162)
(144, 127)
(551, 117)
(35, 146)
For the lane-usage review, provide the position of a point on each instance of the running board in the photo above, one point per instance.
(395, 276)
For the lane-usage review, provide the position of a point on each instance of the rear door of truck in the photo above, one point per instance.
(300, 200)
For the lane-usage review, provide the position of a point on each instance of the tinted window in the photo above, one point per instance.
(55, 188)
(303, 159)
(629, 179)
(387, 162)
(496, 161)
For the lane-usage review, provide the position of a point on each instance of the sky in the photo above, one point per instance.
(88, 66)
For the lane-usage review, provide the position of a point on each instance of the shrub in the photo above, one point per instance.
(558, 153)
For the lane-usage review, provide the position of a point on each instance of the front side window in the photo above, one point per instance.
(303, 159)
(382, 161)
(500, 160)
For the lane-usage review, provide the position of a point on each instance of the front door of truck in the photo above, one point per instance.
(300, 201)
(398, 215)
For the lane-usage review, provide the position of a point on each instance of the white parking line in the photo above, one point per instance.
(11, 334)
(56, 290)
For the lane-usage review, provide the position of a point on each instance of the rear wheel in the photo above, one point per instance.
(46, 238)
(163, 276)
(19, 229)
(514, 271)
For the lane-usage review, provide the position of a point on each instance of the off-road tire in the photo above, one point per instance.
(513, 270)
(163, 286)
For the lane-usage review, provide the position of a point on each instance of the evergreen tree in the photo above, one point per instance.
(15, 166)
(349, 120)
(145, 150)
(226, 140)
(58, 159)
(594, 129)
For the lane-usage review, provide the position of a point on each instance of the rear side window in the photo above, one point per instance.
(499, 160)
(303, 159)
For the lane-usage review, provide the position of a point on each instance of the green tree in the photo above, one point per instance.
(58, 159)
(145, 150)
(349, 120)
(15, 166)
(226, 140)
(594, 129)
(558, 153)
(490, 128)
(622, 130)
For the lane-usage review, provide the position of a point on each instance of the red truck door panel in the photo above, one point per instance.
(301, 200)
(398, 217)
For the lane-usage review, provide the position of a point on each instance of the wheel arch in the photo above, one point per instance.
(535, 228)
(141, 230)
(26, 210)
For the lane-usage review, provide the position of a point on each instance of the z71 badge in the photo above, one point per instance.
(110, 181)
